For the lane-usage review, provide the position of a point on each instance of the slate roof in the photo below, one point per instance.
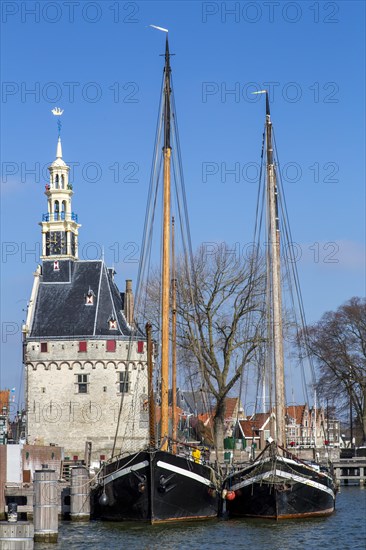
(190, 402)
(60, 309)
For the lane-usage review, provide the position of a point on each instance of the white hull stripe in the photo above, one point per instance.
(284, 475)
(183, 472)
(126, 471)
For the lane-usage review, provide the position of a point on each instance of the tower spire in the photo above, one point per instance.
(60, 224)
(59, 148)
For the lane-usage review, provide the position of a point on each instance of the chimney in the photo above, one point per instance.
(111, 272)
(128, 305)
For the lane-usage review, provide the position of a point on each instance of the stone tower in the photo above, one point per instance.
(85, 362)
(60, 224)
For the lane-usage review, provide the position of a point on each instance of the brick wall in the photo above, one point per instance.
(33, 456)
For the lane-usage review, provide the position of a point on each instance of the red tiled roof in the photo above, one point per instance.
(4, 399)
(231, 409)
(260, 419)
(296, 412)
(231, 405)
(257, 422)
(246, 426)
(206, 418)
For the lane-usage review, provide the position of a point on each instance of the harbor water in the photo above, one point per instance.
(344, 530)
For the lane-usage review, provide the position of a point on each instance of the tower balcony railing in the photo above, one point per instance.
(60, 216)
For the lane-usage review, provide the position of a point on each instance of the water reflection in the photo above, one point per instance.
(344, 530)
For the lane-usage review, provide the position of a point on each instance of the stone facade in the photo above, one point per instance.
(74, 397)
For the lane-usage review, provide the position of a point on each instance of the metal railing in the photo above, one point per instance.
(60, 216)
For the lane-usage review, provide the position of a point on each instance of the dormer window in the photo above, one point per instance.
(89, 297)
(112, 323)
(56, 265)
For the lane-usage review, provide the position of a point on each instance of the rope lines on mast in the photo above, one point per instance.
(186, 241)
(290, 262)
(264, 359)
(145, 259)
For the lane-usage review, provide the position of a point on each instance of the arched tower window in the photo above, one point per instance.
(63, 210)
(57, 182)
(62, 182)
(56, 210)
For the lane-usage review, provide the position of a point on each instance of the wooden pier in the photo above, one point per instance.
(350, 471)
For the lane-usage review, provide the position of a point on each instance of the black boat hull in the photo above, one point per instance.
(279, 488)
(156, 487)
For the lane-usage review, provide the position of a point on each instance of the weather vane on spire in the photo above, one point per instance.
(58, 112)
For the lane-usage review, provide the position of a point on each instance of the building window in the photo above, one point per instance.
(111, 345)
(82, 383)
(140, 347)
(82, 346)
(89, 297)
(112, 324)
(124, 381)
(56, 266)
(44, 346)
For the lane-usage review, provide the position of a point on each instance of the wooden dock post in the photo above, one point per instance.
(16, 535)
(79, 494)
(45, 505)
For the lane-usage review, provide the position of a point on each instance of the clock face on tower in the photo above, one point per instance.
(56, 243)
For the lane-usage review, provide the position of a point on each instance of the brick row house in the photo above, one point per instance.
(305, 428)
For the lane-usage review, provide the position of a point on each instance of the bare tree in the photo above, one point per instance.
(338, 344)
(219, 315)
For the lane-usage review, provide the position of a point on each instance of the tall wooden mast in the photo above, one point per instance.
(277, 330)
(166, 258)
(174, 340)
(151, 399)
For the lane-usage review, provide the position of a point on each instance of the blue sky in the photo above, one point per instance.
(100, 62)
